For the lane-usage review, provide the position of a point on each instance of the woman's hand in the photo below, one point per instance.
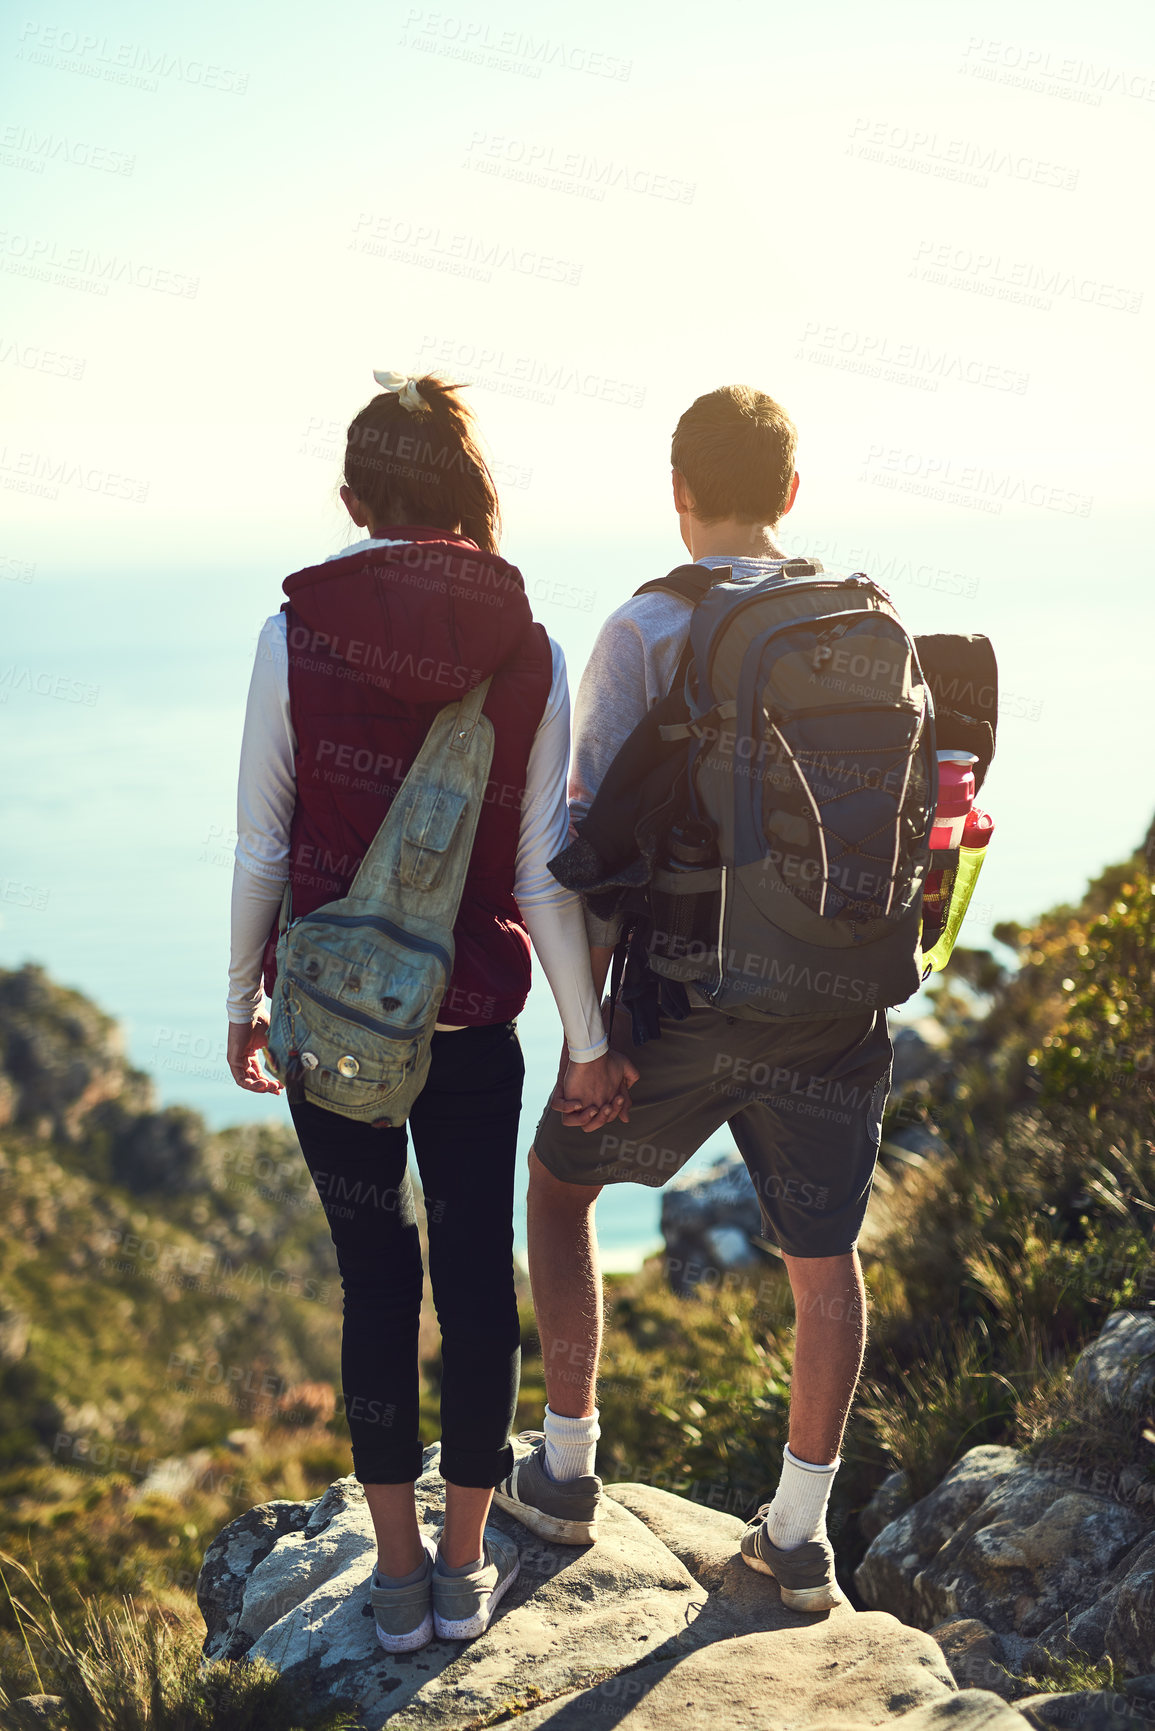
(244, 1060)
(590, 1096)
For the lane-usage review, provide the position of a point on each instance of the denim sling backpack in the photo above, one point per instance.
(360, 980)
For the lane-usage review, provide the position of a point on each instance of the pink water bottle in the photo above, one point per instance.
(956, 796)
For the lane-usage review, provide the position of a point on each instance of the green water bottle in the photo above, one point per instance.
(977, 832)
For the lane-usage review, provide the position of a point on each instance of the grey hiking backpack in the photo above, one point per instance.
(796, 752)
(359, 980)
(812, 755)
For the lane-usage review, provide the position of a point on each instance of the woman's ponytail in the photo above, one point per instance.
(413, 455)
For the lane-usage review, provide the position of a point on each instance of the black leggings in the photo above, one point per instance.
(464, 1124)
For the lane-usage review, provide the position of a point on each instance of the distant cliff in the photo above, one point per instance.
(159, 1283)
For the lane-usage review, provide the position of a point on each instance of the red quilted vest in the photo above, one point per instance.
(379, 640)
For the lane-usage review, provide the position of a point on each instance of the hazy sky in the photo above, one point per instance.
(243, 210)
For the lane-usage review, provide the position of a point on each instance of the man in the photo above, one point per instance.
(803, 1099)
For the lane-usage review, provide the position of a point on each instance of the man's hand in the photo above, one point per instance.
(590, 1096)
(244, 1049)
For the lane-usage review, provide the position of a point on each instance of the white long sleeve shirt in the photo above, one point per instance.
(266, 797)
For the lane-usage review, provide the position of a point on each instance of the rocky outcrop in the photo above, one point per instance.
(976, 1656)
(1014, 1562)
(891, 1499)
(36, 1713)
(60, 1055)
(659, 1623)
(1118, 1369)
(891, 1573)
(64, 1077)
(710, 1222)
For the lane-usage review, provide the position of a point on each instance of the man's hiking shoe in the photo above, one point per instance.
(463, 1605)
(564, 1512)
(805, 1575)
(404, 1615)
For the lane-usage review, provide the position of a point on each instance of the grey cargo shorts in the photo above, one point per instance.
(802, 1100)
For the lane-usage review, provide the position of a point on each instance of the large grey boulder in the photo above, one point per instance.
(1130, 1632)
(658, 1623)
(896, 1557)
(1013, 1562)
(891, 1499)
(1022, 1560)
(1009, 1544)
(228, 1566)
(841, 1677)
(704, 1540)
(302, 1607)
(1119, 1619)
(1118, 1368)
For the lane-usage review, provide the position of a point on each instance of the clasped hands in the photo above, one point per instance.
(590, 1096)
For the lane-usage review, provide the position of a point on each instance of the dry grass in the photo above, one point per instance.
(128, 1670)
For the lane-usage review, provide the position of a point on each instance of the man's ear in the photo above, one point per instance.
(683, 498)
(356, 510)
(792, 495)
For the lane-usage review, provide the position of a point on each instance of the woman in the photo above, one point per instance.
(370, 645)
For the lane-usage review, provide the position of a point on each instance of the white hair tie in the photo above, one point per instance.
(404, 388)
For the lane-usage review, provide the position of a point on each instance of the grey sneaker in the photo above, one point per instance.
(805, 1575)
(564, 1512)
(404, 1615)
(463, 1605)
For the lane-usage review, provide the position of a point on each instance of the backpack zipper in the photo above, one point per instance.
(406, 940)
(843, 709)
(337, 1008)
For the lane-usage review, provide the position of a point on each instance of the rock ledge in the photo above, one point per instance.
(658, 1623)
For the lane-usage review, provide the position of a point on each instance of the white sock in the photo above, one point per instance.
(570, 1445)
(798, 1512)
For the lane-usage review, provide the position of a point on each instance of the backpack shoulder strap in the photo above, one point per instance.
(689, 581)
(436, 809)
(692, 581)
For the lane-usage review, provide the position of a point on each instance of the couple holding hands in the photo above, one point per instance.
(371, 644)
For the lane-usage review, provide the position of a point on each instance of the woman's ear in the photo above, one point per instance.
(356, 510)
